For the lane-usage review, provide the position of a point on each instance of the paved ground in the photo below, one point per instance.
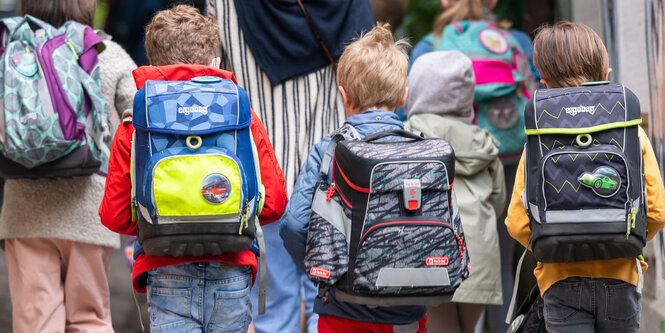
(123, 308)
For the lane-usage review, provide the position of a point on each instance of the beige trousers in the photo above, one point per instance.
(58, 285)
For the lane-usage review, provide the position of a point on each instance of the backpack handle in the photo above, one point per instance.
(394, 132)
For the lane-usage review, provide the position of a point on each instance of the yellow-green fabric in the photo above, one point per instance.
(174, 197)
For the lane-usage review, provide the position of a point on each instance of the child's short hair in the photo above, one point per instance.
(372, 70)
(569, 54)
(181, 35)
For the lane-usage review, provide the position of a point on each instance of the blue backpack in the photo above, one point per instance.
(195, 171)
(503, 79)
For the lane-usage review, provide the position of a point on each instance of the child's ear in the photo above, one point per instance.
(406, 93)
(216, 62)
(607, 75)
(545, 83)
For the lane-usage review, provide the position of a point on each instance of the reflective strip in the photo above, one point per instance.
(584, 130)
(332, 212)
(639, 276)
(589, 215)
(230, 218)
(534, 212)
(145, 214)
(412, 277)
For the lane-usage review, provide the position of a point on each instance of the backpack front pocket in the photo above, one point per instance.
(207, 186)
(327, 250)
(417, 256)
(594, 181)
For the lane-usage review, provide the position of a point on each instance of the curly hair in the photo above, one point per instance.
(181, 35)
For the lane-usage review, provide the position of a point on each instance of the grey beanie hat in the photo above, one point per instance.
(442, 83)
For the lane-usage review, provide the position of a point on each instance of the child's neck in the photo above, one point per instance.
(352, 111)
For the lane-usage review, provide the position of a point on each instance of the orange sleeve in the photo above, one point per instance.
(654, 187)
(271, 174)
(517, 221)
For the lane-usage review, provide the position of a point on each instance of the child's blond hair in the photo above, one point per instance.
(569, 54)
(181, 35)
(372, 70)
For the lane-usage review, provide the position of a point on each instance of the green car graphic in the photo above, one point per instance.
(598, 181)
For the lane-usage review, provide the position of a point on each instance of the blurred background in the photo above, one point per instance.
(632, 31)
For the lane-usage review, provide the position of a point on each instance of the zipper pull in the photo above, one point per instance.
(243, 217)
(630, 216)
(634, 212)
(330, 192)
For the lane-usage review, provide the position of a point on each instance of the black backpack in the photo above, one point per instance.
(584, 174)
(387, 231)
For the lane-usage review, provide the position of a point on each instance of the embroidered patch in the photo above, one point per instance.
(604, 181)
(493, 41)
(503, 113)
(215, 188)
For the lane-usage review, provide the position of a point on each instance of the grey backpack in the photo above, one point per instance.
(387, 230)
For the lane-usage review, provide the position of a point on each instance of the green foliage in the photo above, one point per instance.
(420, 18)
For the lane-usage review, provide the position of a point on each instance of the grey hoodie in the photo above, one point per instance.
(481, 194)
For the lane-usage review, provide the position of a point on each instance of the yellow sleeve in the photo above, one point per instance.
(517, 221)
(654, 187)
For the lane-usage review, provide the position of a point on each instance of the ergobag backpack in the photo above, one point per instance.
(195, 171)
(503, 78)
(387, 231)
(584, 192)
(54, 120)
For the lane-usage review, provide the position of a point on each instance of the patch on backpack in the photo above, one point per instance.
(604, 181)
(503, 113)
(215, 188)
(493, 41)
(437, 261)
(319, 272)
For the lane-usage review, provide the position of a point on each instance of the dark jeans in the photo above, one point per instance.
(580, 304)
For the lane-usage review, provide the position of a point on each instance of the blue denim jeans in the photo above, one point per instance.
(199, 297)
(580, 304)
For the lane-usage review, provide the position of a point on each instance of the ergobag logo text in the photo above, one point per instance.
(574, 110)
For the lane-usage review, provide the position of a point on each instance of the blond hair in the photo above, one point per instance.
(181, 35)
(569, 54)
(461, 10)
(372, 70)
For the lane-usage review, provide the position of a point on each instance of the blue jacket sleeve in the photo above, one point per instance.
(295, 221)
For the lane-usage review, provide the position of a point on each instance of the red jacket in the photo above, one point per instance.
(115, 209)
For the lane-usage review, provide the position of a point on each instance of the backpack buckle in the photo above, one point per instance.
(411, 193)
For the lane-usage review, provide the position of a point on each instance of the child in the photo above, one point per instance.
(372, 81)
(597, 295)
(440, 105)
(188, 293)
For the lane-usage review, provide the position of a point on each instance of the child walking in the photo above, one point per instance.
(440, 105)
(591, 295)
(372, 81)
(210, 292)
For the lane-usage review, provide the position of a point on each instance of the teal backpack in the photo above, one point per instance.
(53, 119)
(503, 79)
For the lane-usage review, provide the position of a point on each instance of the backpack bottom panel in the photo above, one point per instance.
(80, 162)
(574, 248)
(194, 239)
(428, 300)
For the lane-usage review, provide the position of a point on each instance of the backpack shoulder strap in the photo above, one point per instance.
(346, 132)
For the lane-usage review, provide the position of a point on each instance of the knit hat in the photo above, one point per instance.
(442, 83)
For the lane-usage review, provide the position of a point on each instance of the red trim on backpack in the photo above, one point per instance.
(357, 188)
